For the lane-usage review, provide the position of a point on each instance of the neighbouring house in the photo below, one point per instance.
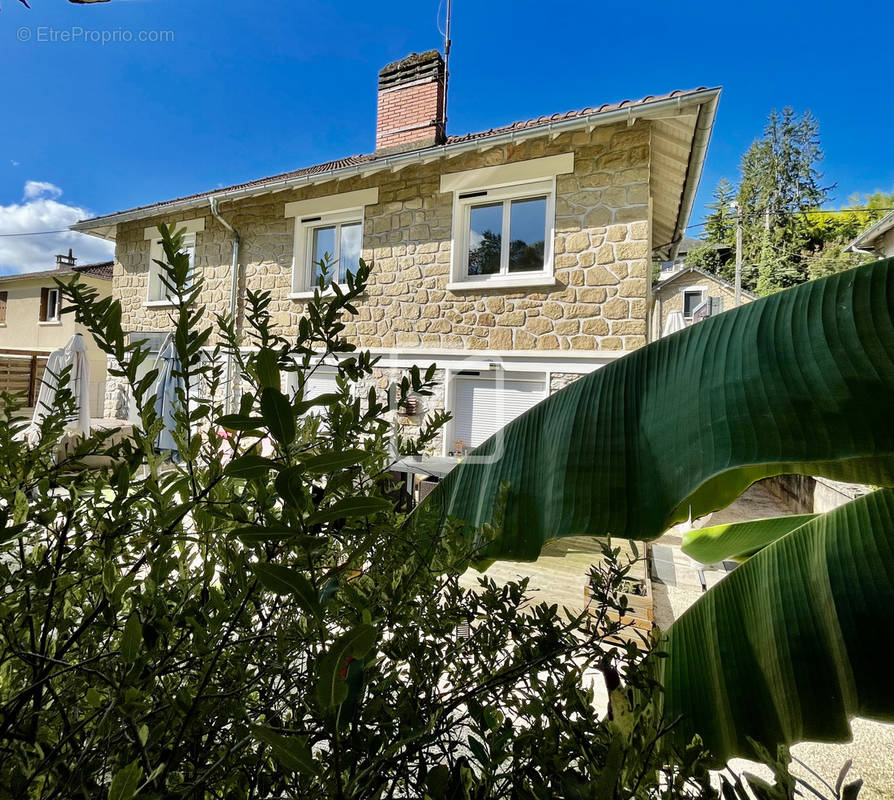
(515, 259)
(694, 293)
(877, 239)
(32, 326)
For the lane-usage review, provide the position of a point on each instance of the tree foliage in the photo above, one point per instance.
(252, 619)
(786, 238)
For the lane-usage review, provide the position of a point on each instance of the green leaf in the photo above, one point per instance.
(131, 639)
(124, 784)
(283, 580)
(320, 400)
(330, 462)
(240, 422)
(801, 382)
(787, 647)
(289, 487)
(261, 534)
(738, 540)
(278, 416)
(332, 686)
(291, 752)
(267, 369)
(250, 466)
(349, 507)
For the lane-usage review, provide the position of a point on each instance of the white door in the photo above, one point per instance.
(484, 402)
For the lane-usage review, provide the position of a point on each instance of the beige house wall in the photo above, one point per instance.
(23, 329)
(597, 308)
(601, 256)
(669, 298)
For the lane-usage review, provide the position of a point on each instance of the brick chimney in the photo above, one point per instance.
(411, 103)
(65, 262)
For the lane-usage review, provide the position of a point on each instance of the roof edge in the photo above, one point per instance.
(661, 284)
(59, 273)
(649, 109)
(872, 233)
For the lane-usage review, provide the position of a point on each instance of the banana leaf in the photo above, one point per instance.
(794, 643)
(738, 540)
(798, 382)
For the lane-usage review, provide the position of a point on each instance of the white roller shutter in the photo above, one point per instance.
(484, 403)
(321, 382)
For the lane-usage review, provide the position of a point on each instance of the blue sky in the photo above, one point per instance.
(249, 89)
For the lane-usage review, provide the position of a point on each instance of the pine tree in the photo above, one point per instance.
(780, 181)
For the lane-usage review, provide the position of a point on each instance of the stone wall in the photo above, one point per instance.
(601, 255)
(559, 380)
(670, 298)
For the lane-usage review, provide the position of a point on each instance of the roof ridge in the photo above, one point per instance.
(355, 160)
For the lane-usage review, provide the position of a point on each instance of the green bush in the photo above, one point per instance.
(251, 620)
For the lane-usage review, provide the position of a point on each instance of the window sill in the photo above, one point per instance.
(49, 322)
(528, 282)
(308, 295)
(160, 304)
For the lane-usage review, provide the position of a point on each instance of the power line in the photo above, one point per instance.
(688, 227)
(36, 233)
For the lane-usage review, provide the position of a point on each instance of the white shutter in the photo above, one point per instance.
(321, 382)
(484, 404)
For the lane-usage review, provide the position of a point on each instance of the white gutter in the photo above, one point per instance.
(669, 107)
(234, 289)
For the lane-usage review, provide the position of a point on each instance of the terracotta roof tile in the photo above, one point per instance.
(368, 158)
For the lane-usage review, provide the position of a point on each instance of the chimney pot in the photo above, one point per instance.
(65, 262)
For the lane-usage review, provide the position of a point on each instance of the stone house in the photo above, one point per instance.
(32, 325)
(515, 259)
(686, 290)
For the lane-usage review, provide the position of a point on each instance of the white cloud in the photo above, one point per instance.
(16, 163)
(41, 210)
(35, 189)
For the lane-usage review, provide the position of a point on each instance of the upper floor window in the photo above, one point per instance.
(507, 233)
(50, 305)
(328, 230)
(4, 296)
(504, 222)
(333, 240)
(157, 293)
(692, 299)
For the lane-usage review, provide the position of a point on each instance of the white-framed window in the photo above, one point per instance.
(692, 299)
(328, 229)
(483, 402)
(322, 380)
(156, 292)
(50, 305)
(504, 223)
(335, 240)
(506, 232)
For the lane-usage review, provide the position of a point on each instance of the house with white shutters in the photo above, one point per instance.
(515, 259)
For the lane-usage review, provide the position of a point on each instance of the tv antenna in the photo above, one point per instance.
(446, 34)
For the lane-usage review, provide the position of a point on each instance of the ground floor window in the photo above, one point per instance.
(483, 402)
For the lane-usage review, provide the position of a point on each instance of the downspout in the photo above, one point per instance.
(234, 290)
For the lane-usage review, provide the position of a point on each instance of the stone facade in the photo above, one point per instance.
(601, 257)
(668, 295)
(599, 304)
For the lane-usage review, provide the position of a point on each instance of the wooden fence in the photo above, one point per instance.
(21, 372)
